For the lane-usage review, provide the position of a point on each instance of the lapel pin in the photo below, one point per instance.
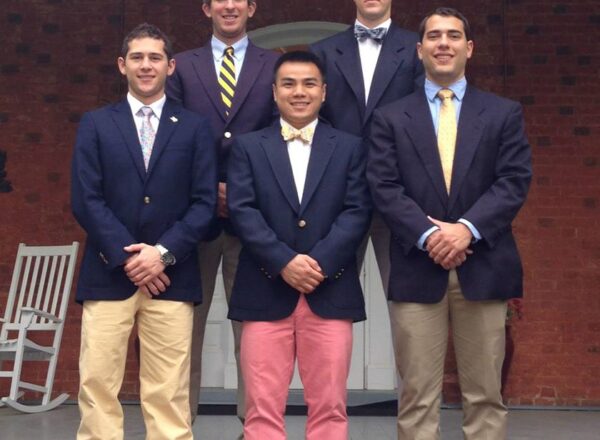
(174, 119)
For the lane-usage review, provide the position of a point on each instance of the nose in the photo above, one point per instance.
(299, 90)
(229, 4)
(443, 41)
(145, 63)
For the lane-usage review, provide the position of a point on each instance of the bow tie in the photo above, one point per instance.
(377, 34)
(290, 133)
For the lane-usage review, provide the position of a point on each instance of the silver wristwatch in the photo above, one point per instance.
(166, 257)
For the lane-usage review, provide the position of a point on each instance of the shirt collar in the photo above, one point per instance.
(157, 106)
(239, 48)
(459, 88)
(386, 24)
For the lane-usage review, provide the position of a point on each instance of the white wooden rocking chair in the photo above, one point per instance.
(37, 304)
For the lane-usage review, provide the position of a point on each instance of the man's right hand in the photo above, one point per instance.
(303, 273)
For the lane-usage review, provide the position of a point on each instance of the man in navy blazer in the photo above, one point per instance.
(299, 202)
(449, 203)
(369, 65)
(195, 84)
(144, 189)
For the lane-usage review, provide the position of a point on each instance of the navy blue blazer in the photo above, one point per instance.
(397, 73)
(194, 84)
(490, 180)
(273, 226)
(118, 202)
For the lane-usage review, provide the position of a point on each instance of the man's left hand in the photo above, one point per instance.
(452, 240)
(156, 286)
(145, 265)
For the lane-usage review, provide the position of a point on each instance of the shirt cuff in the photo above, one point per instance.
(425, 236)
(473, 229)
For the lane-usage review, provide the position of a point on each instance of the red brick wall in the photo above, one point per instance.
(58, 59)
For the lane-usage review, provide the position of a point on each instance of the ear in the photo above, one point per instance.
(419, 48)
(470, 47)
(206, 9)
(171, 68)
(251, 8)
(274, 92)
(121, 64)
(324, 92)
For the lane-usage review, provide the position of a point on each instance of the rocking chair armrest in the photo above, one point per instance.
(41, 313)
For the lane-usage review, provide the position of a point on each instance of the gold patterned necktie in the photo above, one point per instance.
(227, 79)
(290, 133)
(447, 134)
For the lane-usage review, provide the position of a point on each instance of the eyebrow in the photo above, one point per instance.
(148, 53)
(448, 31)
(311, 78)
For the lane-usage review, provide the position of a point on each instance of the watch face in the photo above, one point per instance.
(167, 258)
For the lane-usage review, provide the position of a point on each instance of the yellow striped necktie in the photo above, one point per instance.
(447, 134)
(227, 79)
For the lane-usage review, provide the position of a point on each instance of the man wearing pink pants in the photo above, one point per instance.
(299, 201)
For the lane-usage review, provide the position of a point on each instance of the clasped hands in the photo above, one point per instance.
(449, 245)
(303, 273)
(145, 269)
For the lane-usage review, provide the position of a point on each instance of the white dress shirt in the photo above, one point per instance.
(157, 107)
(299, 153)
(369, 54)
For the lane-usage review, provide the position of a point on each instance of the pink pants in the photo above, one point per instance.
(269, 350)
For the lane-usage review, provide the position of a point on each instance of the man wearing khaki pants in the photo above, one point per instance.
(234, 93)
(144, 190)
(449, 168)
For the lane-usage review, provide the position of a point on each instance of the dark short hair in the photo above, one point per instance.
(207, 2)
(146, 30)
(299, 56)
(446, 12)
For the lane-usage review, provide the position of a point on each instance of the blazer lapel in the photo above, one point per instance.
(421, 132)
(388, 63)
(348, 62)
(323, 144)
(279, 159)
(470, 129)
(124, 120)
(204, 65)
(168, 122)
(253, 64)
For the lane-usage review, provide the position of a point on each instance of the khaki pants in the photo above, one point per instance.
(226, 248)
(420, 334)
(380, 236)
(164, 329)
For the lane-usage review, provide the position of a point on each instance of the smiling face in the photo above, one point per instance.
(444, 49)
(299, 91)
(146, 67)
(373, 12)
(229, 18)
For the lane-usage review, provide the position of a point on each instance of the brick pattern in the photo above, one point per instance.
(59, 60)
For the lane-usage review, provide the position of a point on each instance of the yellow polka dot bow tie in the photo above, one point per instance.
(290, 133)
